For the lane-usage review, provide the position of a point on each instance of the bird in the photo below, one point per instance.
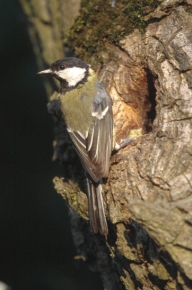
(87, 112)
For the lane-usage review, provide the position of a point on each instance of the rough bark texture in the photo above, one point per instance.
(148, 194)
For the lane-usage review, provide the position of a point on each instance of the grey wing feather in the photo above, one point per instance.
(95, 148)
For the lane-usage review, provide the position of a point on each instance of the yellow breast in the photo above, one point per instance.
(76, 106)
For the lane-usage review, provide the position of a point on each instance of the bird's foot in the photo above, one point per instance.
(124, 143)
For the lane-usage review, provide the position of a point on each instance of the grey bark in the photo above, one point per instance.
(148, 194)
(48, 23)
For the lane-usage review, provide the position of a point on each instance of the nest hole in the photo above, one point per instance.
(151, 114)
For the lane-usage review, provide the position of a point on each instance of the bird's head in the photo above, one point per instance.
(69, 71)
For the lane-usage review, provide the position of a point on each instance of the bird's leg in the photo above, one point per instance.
(124, 143)
(113, 3)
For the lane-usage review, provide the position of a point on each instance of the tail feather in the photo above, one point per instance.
(96, 209)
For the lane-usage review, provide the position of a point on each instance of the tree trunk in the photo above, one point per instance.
(148, 193)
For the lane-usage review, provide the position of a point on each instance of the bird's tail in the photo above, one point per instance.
(96, 209)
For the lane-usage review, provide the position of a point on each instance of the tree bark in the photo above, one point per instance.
(48, 23)
(148, 193)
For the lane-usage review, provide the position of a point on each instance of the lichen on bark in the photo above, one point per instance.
(98, 24)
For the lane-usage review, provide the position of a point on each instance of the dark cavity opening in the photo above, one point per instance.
(151, 114)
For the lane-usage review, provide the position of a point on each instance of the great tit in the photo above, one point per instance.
(87, 112)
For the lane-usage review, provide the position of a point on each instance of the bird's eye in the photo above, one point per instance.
(62, 66)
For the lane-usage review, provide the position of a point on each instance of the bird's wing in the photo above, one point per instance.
(94, 148)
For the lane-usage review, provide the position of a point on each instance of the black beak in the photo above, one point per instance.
(45, 72)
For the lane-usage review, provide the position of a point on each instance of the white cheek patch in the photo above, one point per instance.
(72, 75)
